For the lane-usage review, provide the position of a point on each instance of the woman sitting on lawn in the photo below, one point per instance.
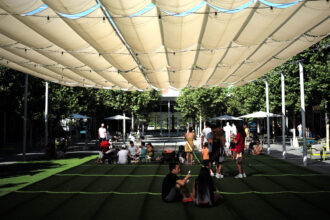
(203, 191)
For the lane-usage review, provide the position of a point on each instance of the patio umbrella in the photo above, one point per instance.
(120, 117)
(226, 117)
(259, 115)
(117, 117)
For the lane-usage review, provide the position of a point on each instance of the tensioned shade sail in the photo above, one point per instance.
(145, 44)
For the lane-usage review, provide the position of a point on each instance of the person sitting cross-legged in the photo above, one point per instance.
(173, 188)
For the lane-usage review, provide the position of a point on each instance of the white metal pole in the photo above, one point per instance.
(267, 108)
(124, 128)
(302, 102)
(46, 113)
(283, 116)
(25, 114)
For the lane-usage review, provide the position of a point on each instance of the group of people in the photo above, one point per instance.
(214, 142)
(174, 189)
(111, 153)
(123, 155)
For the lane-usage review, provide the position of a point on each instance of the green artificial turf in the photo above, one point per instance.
(21, 174)
(274, 189)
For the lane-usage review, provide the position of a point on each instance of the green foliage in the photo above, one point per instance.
(193, 103)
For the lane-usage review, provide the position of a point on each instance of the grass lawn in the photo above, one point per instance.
(274, 189)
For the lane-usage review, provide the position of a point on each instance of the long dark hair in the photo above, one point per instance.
(203, 183)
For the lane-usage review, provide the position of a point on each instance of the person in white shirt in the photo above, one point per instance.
(299, 127)
(102, 133)
(132, 150)
(227, 130)
(123, 155)
(205, 132)
(233, 129)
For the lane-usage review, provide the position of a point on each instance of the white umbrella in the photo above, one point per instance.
(226, 117)
(117, 117)
(120, 117)
(260, 115)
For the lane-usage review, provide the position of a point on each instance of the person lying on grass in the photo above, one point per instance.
(203, 193)
(173, 188)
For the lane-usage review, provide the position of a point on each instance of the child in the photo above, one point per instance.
(205, 153)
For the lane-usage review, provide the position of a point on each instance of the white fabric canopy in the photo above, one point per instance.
(260, 115)
(145, 44)
(117, 117)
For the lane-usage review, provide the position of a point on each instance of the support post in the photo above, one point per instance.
(124, 128)
(46, 113)
(267, 108)
(283, 116)
(303, 117)
(168, 117)
(25, 115)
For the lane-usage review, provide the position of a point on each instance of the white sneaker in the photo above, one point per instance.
(219, 176)
(239, 176)
(244, 175)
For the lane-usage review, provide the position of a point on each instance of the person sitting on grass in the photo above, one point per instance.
(123, 155)
(257, 149)
(173, 188)
(150, 152)
(203, 193)
(132, 150)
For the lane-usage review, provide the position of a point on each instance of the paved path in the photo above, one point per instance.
(295, 156)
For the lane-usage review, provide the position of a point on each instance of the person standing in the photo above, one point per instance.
(227, 130)
(247, 133)
(218, 145)
(233, 129)
(205, 132)
(102, 133)
(189, 148)
(238, 151)
(206, 156)
(173, 188)
(299, 127)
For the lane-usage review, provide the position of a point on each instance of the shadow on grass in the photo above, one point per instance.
(10, 185)
(21, 169)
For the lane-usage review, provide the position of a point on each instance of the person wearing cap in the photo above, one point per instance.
(123, 155)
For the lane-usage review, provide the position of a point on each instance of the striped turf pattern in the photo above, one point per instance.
(273, 189)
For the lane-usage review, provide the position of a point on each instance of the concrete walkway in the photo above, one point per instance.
(295, 156)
